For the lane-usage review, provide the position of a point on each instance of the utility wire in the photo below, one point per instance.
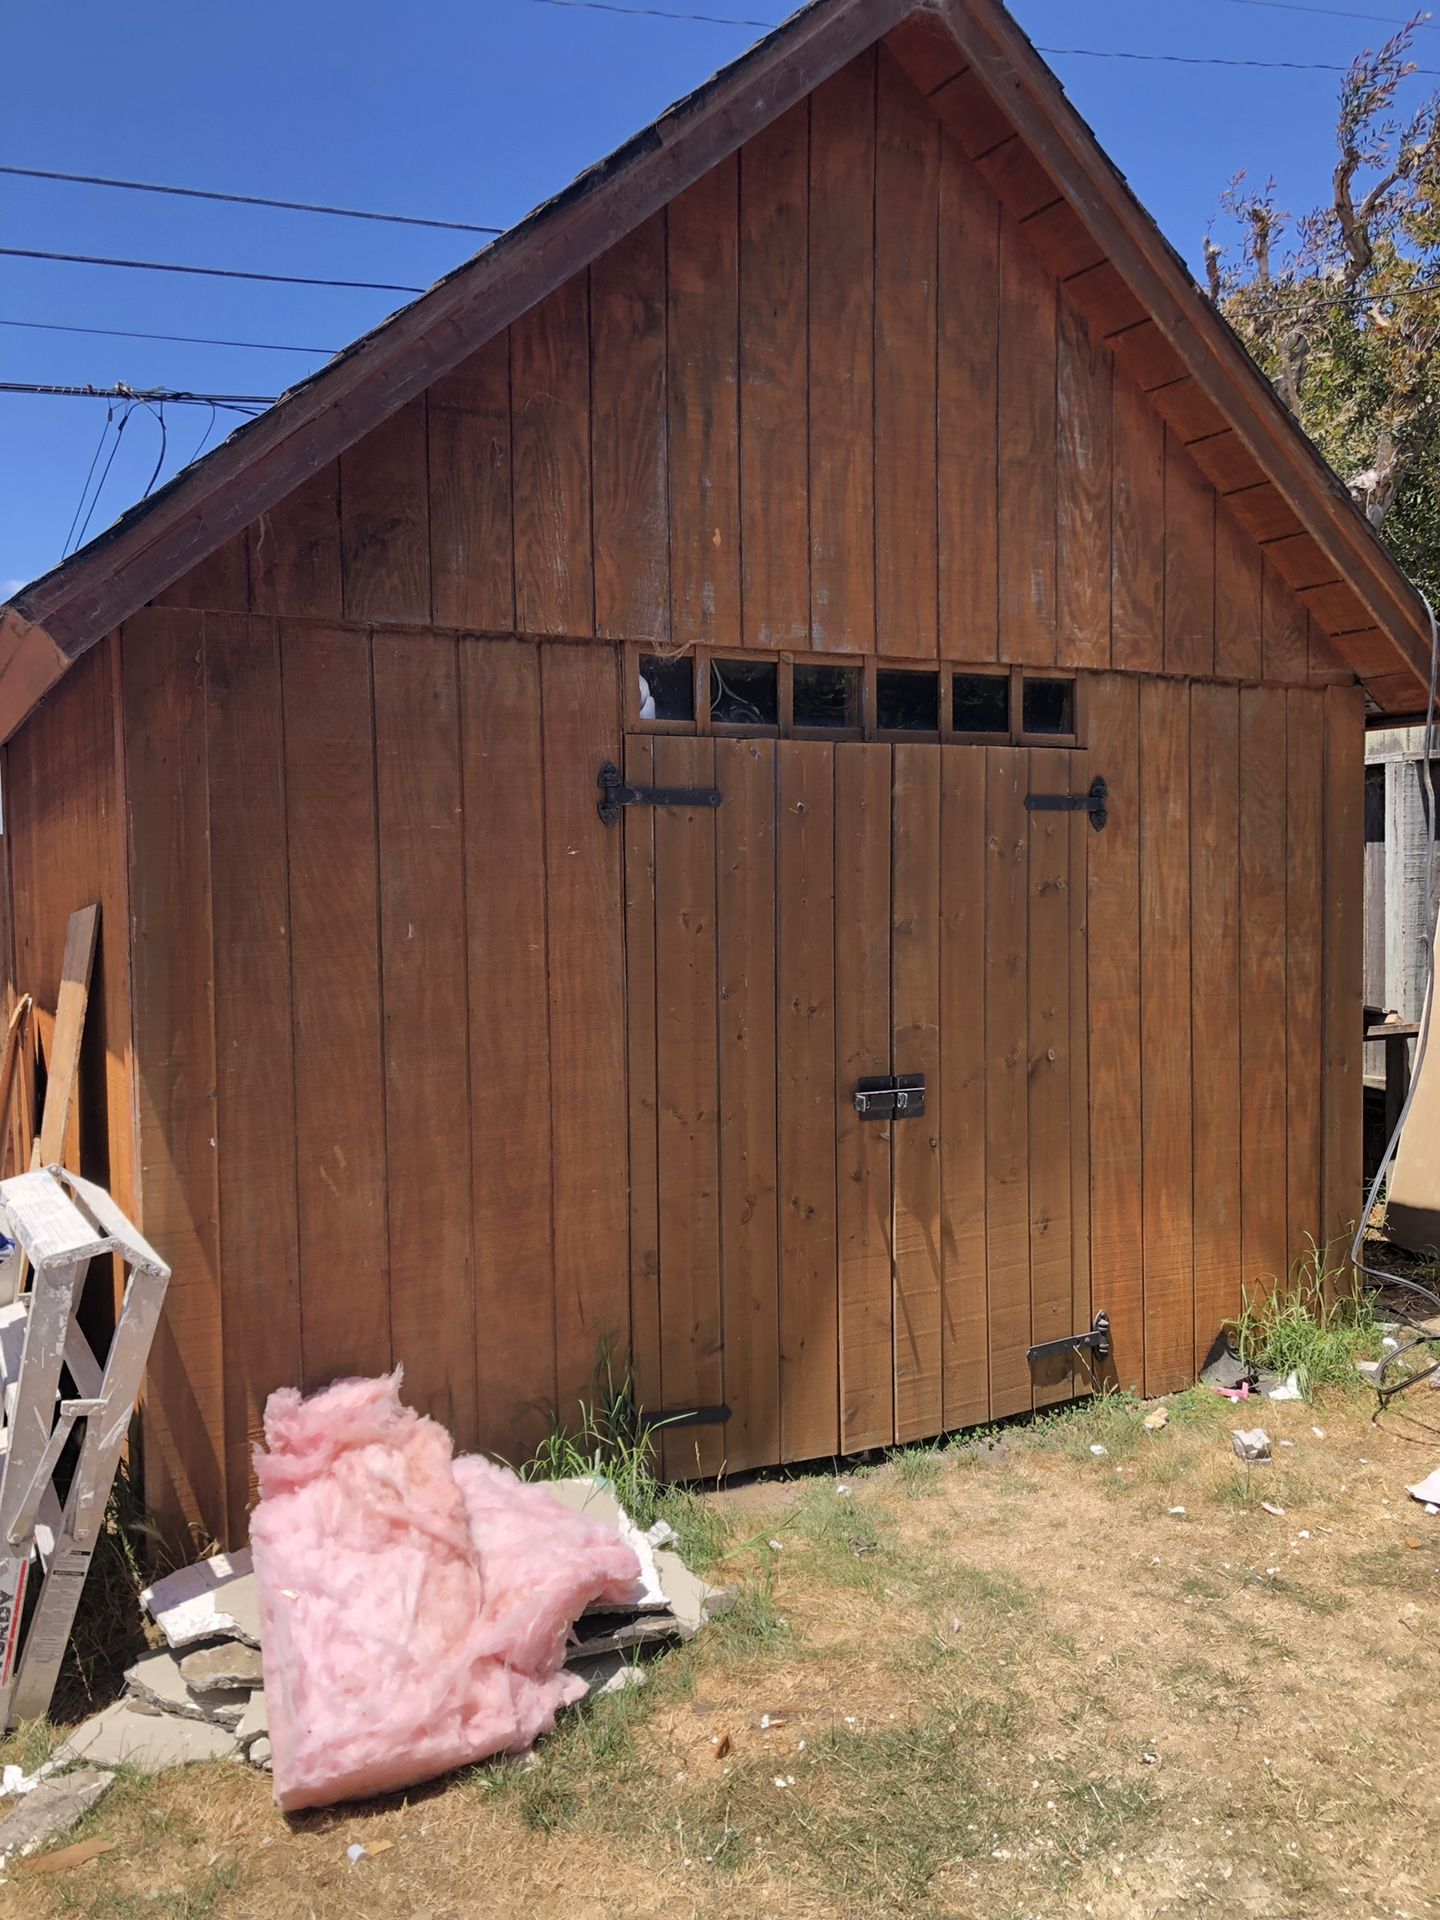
(1334, 13)
(244, 199)
(85, 490)
(178, 339)
(1079, 53)
(212, 273)
(140, 394)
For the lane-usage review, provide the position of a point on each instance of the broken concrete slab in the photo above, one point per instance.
(610, 1673)
(149, 1742)
(255, 1721)
(597, 1502)
(684, 1591)
(229, 1665)
(608, 1632)
(156, 1682)
(51, 1808)
(215, 1599)
(258, 1753)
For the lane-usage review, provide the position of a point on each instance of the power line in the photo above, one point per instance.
(1334, 13)
(143, 394)
(1079, 53)
(178, 339)
(212, 273)
(245, 199)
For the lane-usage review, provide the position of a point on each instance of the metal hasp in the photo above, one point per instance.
(891, 1096)
(1096, 1341)
(616, 792)
(1093, 803)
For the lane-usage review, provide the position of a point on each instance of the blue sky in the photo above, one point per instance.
(470, 112)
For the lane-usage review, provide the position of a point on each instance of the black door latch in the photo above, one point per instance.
(616, 793)
(1093, 803)
(891, 1096)
(1096, 1341)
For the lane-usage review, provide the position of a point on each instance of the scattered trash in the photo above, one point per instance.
(73, 1856)
(1269, 1506)
(1242, 1392)
(1176, 1512)
(1287, 1443)
(215, 1598)
(497, 1597)
(1252, 1444)
(48, 1807)
(843, 1490)
(1288, 1390)
(1427, 1491)
(1370, 1368)
(355, 1854)
(1098, 1450)
(1319, 1433)
(724, 1746)
(1156, 1419)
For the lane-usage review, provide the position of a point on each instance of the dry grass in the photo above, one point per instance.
(1007, 1681)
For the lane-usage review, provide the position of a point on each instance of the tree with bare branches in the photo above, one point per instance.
(1341, 305)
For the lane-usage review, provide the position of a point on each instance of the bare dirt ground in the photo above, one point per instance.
(1005, 1682)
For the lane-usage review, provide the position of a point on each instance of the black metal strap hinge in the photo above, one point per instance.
(689, 1417)
(1096, 1341)
(616, 793)
(1093, 803)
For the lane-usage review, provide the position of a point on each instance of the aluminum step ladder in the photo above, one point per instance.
(60, 1223)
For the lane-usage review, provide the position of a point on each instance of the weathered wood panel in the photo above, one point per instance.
(1048, 1048)
(329, 722)
(472, 566)
(1165, 1063)
(254, 1034)
(1215, 935)
(164, 717)
(507, 992)
(745, 931)
(965, 1331)
(580, 726)
(423, 981)
(841, 347)
(1027, 319)
(1113, 884)
(774, 408)
(1007, 1060)
(915, 1048)
(385, 521)
(629, 445)
(702, 387)
(805, 1051)
(907, 186)
(1263, 1171)
(550, 455)
(864, 1214)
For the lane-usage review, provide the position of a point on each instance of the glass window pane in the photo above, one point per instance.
(667, 686)
(1048, 706)
(907, 702)
(826, 695)
(744, 693)
(982, 703)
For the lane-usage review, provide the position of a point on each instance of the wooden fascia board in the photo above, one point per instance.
(1033, 100)
(30, 664)
(91, 594)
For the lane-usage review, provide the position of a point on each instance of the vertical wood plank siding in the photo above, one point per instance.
(855, 391)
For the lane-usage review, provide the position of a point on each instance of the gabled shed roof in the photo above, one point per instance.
(987, 81)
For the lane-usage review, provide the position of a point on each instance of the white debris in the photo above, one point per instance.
(1289, 1389)
(1251, 1444)
(214, 1599)
(1177, 1511)
(1099, 1451)
(1269, 1506)
(1427, 1491)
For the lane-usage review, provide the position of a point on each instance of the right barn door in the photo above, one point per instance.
(813, 1273)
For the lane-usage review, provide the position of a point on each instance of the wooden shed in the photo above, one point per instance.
(850, 455)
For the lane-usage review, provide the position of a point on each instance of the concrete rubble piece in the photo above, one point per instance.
(126, 1735)
(46, 1809)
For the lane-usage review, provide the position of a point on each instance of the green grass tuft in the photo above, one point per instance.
(1312, 1326)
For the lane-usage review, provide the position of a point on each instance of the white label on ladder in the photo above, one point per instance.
(12, 1606)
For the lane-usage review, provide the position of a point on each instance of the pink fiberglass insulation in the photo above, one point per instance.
(397, 1641)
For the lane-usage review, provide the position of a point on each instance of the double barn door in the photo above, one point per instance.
(812, 1280)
